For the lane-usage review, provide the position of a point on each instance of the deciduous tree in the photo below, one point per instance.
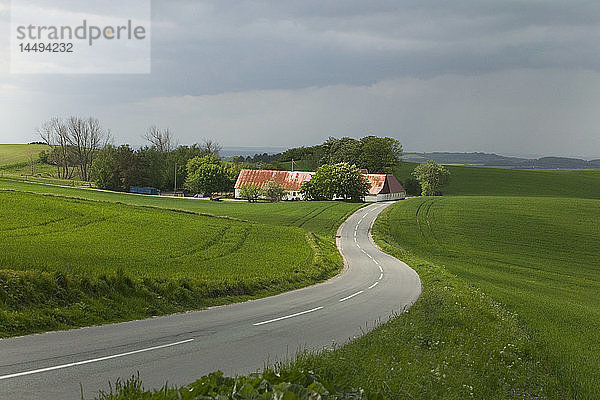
(250, 191)
(341, 180)
(432, 177)
(207, 175)
(273, 191)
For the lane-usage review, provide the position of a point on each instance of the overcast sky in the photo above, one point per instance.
(502, 76)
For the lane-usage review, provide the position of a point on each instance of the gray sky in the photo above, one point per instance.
(503, 76)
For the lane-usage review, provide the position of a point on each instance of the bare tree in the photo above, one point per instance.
(210, 146)
(86, 136)
(162, 139)
(73, 143)
(54, 133)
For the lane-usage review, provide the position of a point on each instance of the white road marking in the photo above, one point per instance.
(74, 364)
(380, 276)
(352, 295)
(373, 285)
(288, 316)
(355, 241)
(380, 269)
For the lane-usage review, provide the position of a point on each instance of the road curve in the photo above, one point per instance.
(235, 339)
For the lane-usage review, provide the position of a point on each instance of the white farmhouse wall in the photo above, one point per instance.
(385, 197)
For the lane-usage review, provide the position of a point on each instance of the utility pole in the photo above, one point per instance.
(292, 165)
(175, 188)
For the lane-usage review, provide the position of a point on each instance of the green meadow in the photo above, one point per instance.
(68, 261)
(319, 217)
(479, 181)
(538, 257)
(19, 153)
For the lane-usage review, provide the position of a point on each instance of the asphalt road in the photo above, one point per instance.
(235, 339)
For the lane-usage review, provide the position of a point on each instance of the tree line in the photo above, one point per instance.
(379, 155)
(83, 146)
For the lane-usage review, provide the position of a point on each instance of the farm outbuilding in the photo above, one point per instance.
(290, 180)
(383, 187)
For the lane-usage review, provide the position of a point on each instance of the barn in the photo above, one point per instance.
(290, 180)
(383, 187)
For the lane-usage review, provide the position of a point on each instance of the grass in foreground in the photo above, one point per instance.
(268, 386)
(70, 262)
(538, 256)
(454, 343)
(478, 181)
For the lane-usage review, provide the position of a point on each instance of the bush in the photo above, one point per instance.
(250, 192)
(273, 191)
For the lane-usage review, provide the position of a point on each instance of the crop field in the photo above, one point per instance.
(19, 153)
(478, 181)
(69, 262)
(319, 217)
(537, 256)
(61, 235)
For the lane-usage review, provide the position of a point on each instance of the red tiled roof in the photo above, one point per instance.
(377, 181)
(290, 181)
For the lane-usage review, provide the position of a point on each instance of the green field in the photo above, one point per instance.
(477, 181)
(320, 217)
(19, 153)
(539, 257)
(51, 234)
(67, 261)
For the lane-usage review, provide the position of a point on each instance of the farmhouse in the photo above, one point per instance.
(383, 187)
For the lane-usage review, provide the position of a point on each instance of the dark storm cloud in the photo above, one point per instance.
(463, 75)
(221, 46)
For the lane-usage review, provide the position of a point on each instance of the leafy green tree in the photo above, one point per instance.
(340, 180)
(345, 149)
(321, 185)
(349, 183)
(432, 177)
(273, 191)
(250, 191)
(412, 186)
(207, 175)
(379, 154)
(105, 169)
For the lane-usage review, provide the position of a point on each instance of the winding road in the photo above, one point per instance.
(235, 339)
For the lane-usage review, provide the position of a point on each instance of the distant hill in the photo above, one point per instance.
(495, 160)
(19, 153)
(477, 181)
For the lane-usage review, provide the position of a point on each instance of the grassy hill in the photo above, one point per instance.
(68, 261)
(476, 181)
(19, 153)
(320, 217)
(537, 256)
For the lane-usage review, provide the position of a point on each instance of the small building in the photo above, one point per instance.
(383, 187)
(289, 180)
